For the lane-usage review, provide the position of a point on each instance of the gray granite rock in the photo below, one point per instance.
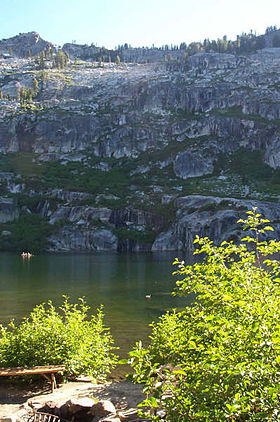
(20, 45)
(9, 210)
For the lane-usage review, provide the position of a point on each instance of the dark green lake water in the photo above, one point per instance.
(118, 281)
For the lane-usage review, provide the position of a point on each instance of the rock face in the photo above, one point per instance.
(192, 164)
(80, 239)
(215, 61)
(148, 55)
(270, 38)
(22, 44)
(149, 110)
(79, 233)
(211, 217)
(83, 52)
(100, 148)
(9, 210)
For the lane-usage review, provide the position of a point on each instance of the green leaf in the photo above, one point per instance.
(123, 361)
(225, 343)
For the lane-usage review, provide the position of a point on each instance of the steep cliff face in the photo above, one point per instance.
(8, 209)
(213, 217)
(102, 229)
(104, 153)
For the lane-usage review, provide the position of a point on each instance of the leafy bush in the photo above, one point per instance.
(219, 359)
(64, 336)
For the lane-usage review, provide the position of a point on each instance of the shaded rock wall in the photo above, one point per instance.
(211, 217)
(9, 209)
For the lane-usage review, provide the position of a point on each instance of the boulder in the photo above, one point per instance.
(77, 410)
(109, 419)
(76, 405)
(103, 408)
(192, 164)
(128, 415)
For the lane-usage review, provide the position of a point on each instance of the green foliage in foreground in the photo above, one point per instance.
(66, 335)
(219, 360)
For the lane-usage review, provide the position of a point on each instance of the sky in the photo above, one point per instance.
(140, 23)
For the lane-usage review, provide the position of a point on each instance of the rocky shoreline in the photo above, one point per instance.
(75, 401)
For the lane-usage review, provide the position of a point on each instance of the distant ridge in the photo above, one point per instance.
(31, 44)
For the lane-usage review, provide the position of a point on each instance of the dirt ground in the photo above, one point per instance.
(15, 396)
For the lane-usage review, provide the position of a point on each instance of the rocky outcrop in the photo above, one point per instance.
(81, 215)
(270, 38)
(102, 229)
(137, 219)
(83, 52)
(211, 217)
(208, 61)
(68, 196)
(192, 164)
(11, 182)
(149, 55)
(22, 44)
(83, 239)
(9, 209)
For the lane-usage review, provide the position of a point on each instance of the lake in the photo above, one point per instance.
(120, 282)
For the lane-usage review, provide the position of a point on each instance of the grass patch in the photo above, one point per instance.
(248, 164)
(22, 164)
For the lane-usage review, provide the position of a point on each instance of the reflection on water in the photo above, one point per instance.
(120, 282)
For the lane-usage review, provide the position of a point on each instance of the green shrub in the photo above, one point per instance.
(66, 335)
(248, 164)
(219, 359)
(147, 236)
(29, 232)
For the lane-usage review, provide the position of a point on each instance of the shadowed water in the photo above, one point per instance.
(120, 282)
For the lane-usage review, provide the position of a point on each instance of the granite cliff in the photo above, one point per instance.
(136, 156)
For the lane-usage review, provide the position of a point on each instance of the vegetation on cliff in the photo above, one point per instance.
(80, 133)
(219, 359)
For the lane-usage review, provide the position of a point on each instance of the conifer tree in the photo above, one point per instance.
(60, 60)
(35, 86)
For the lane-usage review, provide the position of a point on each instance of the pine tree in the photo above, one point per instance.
(43, 76)
(41, 64)
(60, 60)
(35, 86)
